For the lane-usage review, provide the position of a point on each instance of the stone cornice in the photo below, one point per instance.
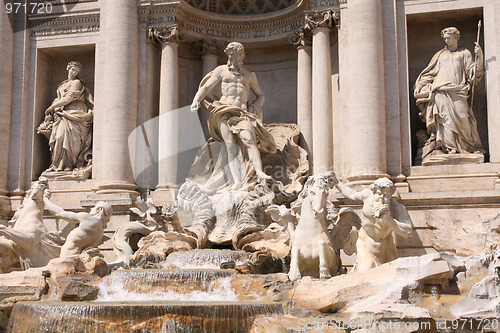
(195, 23)
(64, 20)
(165, 34)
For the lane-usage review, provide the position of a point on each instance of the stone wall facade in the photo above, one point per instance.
(343, 70)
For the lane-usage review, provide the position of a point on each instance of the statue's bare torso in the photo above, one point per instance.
(235, 88)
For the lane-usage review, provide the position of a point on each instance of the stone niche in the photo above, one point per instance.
(424, 40)
(50, 72)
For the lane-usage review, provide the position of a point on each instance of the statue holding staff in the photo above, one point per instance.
(443, 90)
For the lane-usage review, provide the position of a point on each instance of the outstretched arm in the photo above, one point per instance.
(351, 194)
(59, 212)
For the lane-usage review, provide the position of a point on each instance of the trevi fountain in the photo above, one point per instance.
(249, 166)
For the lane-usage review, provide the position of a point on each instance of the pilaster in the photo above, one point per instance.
(7, 52)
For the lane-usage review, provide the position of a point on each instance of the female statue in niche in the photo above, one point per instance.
(68, 124)
(442, 91)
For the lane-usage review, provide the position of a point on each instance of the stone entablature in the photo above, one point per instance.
(270, 26)
(75, 24)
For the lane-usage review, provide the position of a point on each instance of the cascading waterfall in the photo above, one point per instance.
(64, 317)
(172, 285)
(184, 299)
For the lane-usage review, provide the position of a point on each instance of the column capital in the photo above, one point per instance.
(322, 19)
(206, 47)
(165, 34)
(301, 38)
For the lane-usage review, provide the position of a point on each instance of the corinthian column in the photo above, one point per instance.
(7, 52)
(116, 114)
(320, 23)
(366, 91)
(208, 50)
(168, 134)
(302, 39)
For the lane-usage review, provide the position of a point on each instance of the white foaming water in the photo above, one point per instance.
(203, 259)
(111, 289)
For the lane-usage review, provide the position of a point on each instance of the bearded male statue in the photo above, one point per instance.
(235, 122)
(383, 218)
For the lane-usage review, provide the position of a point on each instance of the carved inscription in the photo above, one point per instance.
(321, 3)
(267, 32)
(64, 30)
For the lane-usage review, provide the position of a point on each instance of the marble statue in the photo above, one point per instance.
(315, 250)
(68, 124)
(442, 91)
(235, 122)
(146, 225)
(382, 217)
(25, 241)
(84, 230)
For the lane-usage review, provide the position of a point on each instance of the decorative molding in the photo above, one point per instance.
(241, 7)
(168, 34)
(260, 28)
(158, 14)
(206, 46)
(322, 19)
(34, 22)
(301, 38)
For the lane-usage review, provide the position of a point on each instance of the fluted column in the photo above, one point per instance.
(366, 91)
(118, 96)
(302, 39)
(7, 52)
(320, 23)
(168, 134)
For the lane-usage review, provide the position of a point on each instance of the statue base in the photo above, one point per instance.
(439, 158)
(75, 174)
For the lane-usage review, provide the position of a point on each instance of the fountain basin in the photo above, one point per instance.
(103, 317)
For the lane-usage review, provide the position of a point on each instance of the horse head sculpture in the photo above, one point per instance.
(316, 249)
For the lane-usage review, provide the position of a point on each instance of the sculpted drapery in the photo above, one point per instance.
(442, 91)
(68, 124)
